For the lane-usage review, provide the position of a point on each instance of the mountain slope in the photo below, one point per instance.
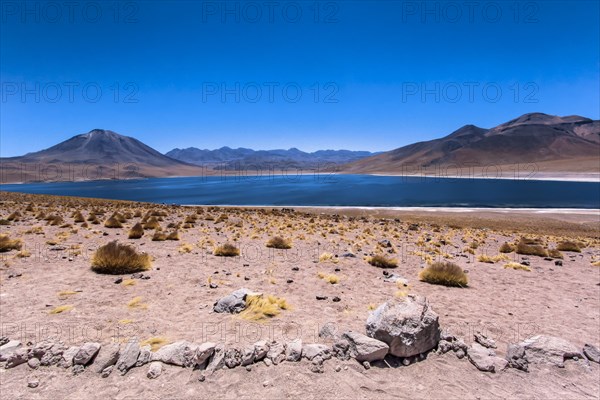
(119, 156)
(554, 143)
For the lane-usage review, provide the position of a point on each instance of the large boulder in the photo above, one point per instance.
(409, 326)
(232, 303)
(542, 349)
(181, 353)
(364, 348)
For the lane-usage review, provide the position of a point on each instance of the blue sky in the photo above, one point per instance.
(357, 75)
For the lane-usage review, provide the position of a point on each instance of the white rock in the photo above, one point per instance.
(310, 351)
(154, 370)
(293, 350)
(364, 348)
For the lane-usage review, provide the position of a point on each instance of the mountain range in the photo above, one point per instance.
(555, 144)
(227, 158)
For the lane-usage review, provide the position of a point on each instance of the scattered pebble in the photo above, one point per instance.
(33, 383)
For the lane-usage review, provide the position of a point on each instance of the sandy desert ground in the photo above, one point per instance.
(51, 272)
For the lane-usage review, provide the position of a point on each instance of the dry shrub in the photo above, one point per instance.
(555, 253)
(78, 217)
(569, 245)
(152, 223)
(517, 266)
(382, 261)
(278, 242)
(328, 257)
(506, 248)
(491, 259)
(159, 236)
(226, 250)
(115, 258)
(173, 235)
(331, 278)
(155, 343)
(186, 248)
(444, 273)
(531, 249)
(136, 231)
(260, 307)
(113, 222)
(61, 309)
(8, 244)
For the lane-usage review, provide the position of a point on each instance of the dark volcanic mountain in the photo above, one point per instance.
(553, 143)
(227, 158)
(120, 156)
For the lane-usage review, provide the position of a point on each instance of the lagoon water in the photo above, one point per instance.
(333, 190)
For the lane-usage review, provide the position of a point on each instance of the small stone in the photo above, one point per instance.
(33, 383)
(295, 269)
(366, 364)
(558, 263)
(213, 286)
(319, 297)
(460, 353)
(336, 299)
(591, 353)
(78, 369)
(86, 353)
(338, 368)
(107, 371)
(154, 370)
(33, 363)
(293, 350)
(266, 383)
(201, 378)
(290, 281)
(406, 361)
(118, 280)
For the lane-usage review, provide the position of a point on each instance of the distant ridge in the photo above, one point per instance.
(558, 144)
(228, 158)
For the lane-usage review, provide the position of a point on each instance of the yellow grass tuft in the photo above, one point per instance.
(136, 302)
(186, 248)
(327, 257)
(278, 242)
(226, 250)
(173, 235)
(531, 249)
(128, 282)
(61, 309)
(23, 254)
(444, 273)
(555, 253)
(382, 261)
(136, 231)
(155, 343)
(506, 248)
(115, 258)
(260, 307)
(66, 293)
(596, 263)
(125, 321)
(113, 222)
(8, 244)
(517, 266)
(331, 278)
(491, 259)
(569, 245)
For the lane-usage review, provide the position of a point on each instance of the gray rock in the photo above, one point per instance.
(329, 330)
(293, 350)
(268, 362)
(33, 363)
(8, 348)
(181, 353)
(53, 356)
(542, 349)
(128, 356)
(261, 349)
(66, 360)
(591, 352)
(107, 356)
(460, 354)
(145, 356)
(276, 352)
(155, 370)
(40, 349)
(17, 358)
(317, 365)
(248, 355)
(444, 346)
(459, 344)
(86, 353)
(500, 364)
(77, 369)
(364, 348)
(217, 360)
(409, 326)
(233, 358)
(4, 340)
(310, 351)
(385, 243)
(107, 371)
(516, 357)
(33, 383)
(366, 365)
(481, 358)
(341, 349)
(203, 353)
(484, 340)
(232, 303)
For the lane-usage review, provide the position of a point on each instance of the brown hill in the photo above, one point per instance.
(556, 144)
(98, 154)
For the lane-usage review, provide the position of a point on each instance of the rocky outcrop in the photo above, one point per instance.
(365, 348)
(409, 326)
(542, 349)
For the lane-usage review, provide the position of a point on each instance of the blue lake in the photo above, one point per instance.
(333, 190)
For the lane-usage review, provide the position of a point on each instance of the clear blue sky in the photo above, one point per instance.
(371, 61)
